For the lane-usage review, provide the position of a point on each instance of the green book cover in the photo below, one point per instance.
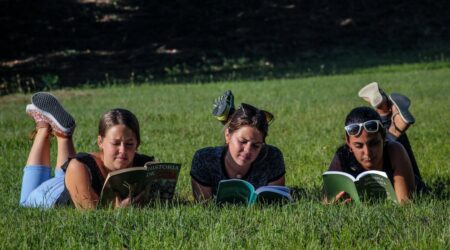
(237, 191)
(369, 185)
(152, 181)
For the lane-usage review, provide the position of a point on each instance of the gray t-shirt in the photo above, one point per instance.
(208, 167)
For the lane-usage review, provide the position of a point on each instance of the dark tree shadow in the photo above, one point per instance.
(52, 44)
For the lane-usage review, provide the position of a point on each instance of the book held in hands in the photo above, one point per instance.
(370, 185)
(150, 182)
(239, 191)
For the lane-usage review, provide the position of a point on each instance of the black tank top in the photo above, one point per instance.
(97, 179)
(350, 165)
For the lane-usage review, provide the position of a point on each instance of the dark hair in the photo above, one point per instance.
(248, 115)
(363, 114)
(119, 117)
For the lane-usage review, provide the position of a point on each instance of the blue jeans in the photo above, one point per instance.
(39, 189)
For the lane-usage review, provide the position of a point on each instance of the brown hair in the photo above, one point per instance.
(247, 115)
(119, 117)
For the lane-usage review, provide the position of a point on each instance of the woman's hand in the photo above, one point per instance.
(120, 203)
(342, 198)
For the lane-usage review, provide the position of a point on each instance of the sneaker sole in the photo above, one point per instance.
(221, 109)
(34, 113)
(50, 107)
(402, 104)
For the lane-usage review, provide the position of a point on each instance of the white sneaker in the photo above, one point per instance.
(52, 111)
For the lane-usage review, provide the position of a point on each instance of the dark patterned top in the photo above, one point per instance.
(208, 167)
(97, 179)
(350, 165)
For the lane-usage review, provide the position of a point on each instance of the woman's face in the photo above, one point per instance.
(244, 145)
(118, 147)
(367, 149)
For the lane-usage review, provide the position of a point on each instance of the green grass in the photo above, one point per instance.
(176, 121)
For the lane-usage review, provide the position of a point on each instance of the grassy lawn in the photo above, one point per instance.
(308, 127)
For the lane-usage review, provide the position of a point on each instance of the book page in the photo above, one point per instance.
(371, 172)
(161, 180)
(235, 191)
(272, 187)
(123, 183)
(335, 182)
(273, 194)
(149, 182)
(375, 187)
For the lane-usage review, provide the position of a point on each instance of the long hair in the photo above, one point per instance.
(119, 116)
(248, 115)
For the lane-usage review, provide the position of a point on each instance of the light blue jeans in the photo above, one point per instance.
(39, 188)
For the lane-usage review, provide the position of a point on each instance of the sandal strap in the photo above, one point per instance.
(32, 134)
(42, 124)
(61, 135)
(39, 125)
(395, 126)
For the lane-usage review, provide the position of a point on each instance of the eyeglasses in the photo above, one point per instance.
(250, 110)
(371, 126)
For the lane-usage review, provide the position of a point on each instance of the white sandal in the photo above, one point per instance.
(372, 94)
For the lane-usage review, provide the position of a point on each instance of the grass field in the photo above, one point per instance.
(176, 121)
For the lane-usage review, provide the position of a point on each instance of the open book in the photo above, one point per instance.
(369, 185)
(152, 181)
(240, 191)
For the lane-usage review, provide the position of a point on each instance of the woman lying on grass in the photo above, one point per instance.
(78, 177)
(245, 155)
(396, 118)
(367, 148)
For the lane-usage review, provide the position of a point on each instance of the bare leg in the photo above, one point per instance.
(384, 108)
(398, 125)
(40, 150)
(66, 149)
(45, 108)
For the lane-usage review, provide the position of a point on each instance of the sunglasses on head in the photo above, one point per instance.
(250, 110)
(371, 126)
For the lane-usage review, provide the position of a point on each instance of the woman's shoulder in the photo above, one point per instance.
(273, 150)
(82, 158)
(210, 152)
(81, 163)
(394, 147)
(270, 155)
(396, 152)
(343, 153)
(141, 159)
(345, 161)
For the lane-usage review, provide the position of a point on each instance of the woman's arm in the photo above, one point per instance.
(341, 197)
(200, 192)
(403, 184)
(78, 182)
(335, 164)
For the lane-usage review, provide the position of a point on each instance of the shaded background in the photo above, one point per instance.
(53, 44)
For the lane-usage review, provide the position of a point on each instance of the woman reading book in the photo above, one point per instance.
(396, 118)
(78, 177)
(367, 148)
(244, 156)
